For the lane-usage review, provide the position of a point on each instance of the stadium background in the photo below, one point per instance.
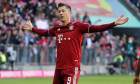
(30, 53)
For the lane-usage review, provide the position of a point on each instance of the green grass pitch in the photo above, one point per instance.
(92, 79)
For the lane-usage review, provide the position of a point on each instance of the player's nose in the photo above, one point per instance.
(60, 13)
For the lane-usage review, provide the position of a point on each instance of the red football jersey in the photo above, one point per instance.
(68, 40)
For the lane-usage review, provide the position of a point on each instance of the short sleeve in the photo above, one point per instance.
(83, 27)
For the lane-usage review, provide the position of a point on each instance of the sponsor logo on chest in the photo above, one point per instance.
(60, 38)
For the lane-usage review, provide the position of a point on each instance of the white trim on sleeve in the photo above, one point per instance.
(88, 28)
(49, 32)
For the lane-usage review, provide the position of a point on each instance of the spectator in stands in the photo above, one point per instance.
(131, 54)
(86, 18)
(2, 59)
(97, 37)
(86, 15)
(14, 38)
(78, 17)
(47, 1)
(4, 37)
(89, 50)
(52, 15)
(138, 4)
(21, 12)
(118, 60)
(0, 37)
(43, 43)
(138, 52)
(12, 57)
(6, 4)
(1, 22)
(117, 41)
(122, 48)
(20, 37)
(52, 48)
(134, 2)
(42, 22)
(108, 52)
(53, 4)
(26, 49)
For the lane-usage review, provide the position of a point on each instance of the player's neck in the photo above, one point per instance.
(65, 23)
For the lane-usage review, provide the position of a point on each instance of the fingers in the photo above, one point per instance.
(25, 26)
(30, 22)
(121, 16)
(126, 19)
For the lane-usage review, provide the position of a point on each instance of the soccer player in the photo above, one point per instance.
(68, 39)
(136, 79)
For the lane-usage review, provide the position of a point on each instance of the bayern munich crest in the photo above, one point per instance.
(58, 29)
(71, 27)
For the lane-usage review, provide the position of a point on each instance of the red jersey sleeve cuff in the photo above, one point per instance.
(33, 29)
(114, 24)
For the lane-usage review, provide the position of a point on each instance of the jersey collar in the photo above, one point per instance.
(70, 23)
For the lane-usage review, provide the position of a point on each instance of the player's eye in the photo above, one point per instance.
(59, 11)
(63, 10)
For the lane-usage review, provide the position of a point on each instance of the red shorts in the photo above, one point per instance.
(66, 76)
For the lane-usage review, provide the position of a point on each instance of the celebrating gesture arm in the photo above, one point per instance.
(44, 32)
(87, 28)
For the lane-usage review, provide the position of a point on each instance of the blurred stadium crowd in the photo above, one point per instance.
(25, 47)
(136, 3)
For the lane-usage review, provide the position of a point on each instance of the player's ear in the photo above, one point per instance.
(70, 13)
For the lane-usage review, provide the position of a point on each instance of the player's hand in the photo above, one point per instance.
(136, 80)
(28, 26)
(121, 21)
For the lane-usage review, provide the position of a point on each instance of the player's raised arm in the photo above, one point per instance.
(29, 27)
(104, 27)
(136, 79)
(87, 28)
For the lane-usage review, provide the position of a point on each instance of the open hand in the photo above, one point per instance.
(28, 26)
(121, 21)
